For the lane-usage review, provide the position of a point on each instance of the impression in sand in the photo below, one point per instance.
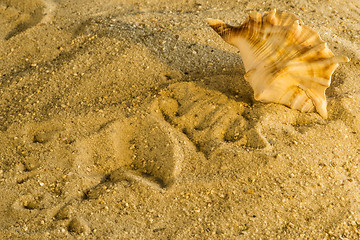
(285, 61)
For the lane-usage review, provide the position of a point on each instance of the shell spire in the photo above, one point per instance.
(285, 61)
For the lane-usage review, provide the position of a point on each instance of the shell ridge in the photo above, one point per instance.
(328, 66)
(284, 98)
(299, 66)
(318, 51)
(286, 53)
(262, 46)
(308, 106)
(270, 17)
(253, 27)
(324, 82)
(298, 100)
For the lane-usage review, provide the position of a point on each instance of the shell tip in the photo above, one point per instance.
(322, 109)
(346, 59)
(324, 114)
(213, 22)
(341, 59)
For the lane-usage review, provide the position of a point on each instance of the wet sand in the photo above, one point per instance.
(132, 120)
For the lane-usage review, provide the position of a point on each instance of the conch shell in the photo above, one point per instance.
(285, 61)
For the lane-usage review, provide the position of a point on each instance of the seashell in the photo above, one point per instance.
(285, 61)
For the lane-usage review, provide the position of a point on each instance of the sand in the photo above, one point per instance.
(132, 120)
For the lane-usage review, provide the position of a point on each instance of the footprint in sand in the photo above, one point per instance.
(142, 148)
(150, 146)
(209, 118)
(20, 15)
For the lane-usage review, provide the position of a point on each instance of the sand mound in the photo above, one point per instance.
(19, 15)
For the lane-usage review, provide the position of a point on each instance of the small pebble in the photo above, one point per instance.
(78, 225)
(64, 213)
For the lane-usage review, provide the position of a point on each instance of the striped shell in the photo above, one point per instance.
(285, 61)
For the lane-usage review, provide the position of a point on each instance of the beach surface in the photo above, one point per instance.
(133, 120)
